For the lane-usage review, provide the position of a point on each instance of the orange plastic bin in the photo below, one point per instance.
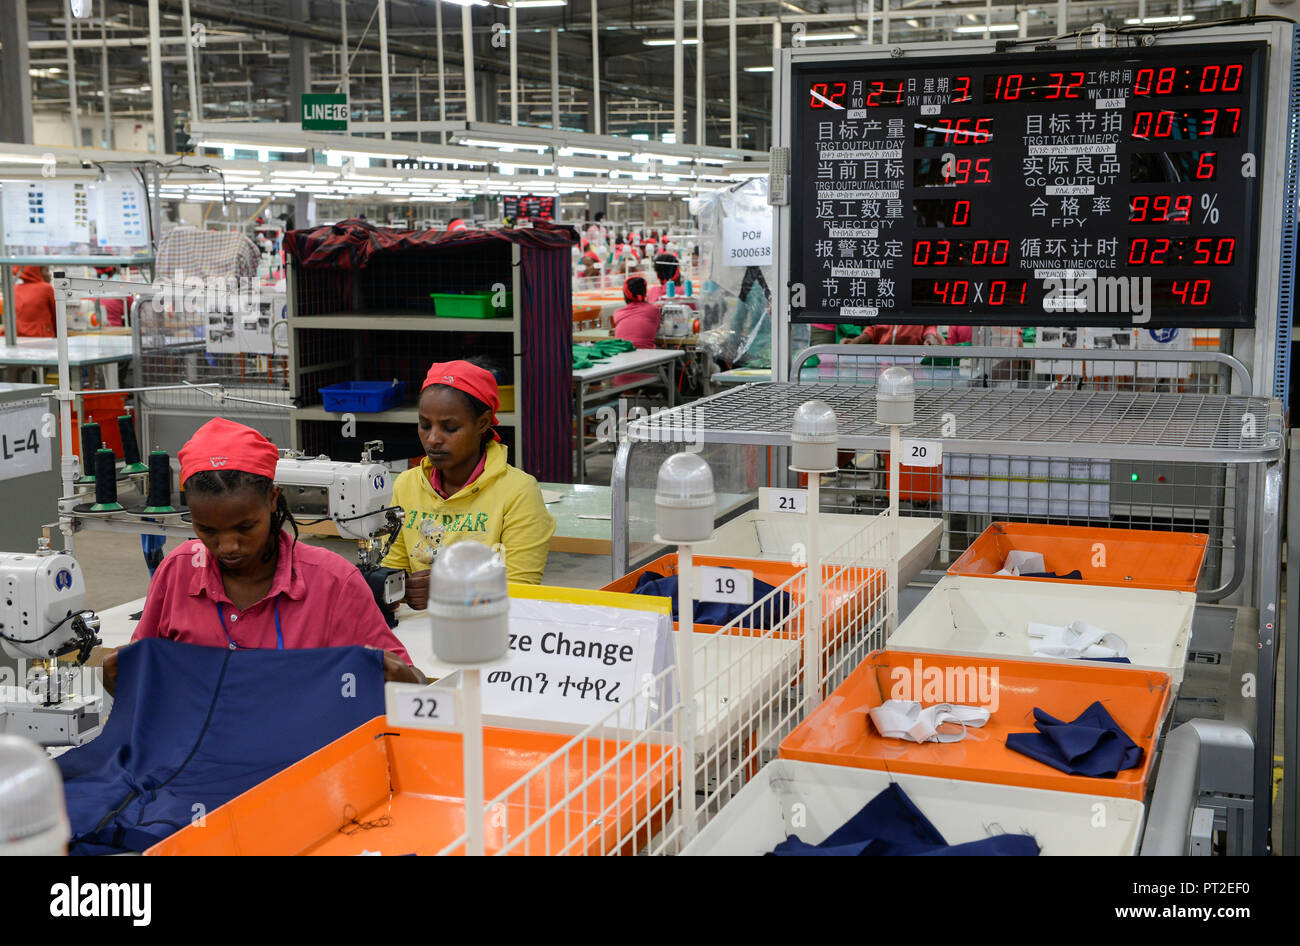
(843, 595)
(415, 778)
(839, 732)
(1123, 558)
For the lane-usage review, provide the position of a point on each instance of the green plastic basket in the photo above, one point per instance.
(470, 305)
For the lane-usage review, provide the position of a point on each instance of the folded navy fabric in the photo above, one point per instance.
(192, 727)
(1091, 745)
(714, 612)
(890, 825)
(1075, 575)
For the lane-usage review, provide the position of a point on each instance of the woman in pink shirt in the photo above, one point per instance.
(638, 321)
(245, 582)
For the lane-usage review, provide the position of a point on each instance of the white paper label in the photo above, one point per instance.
(574, 663)
(420, 707)
(747, 241)
(785, 500)
(726, 585)
(24, 448)
(922, 453)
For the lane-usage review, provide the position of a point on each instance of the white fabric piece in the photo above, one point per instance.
(1075, 640)
(905, 719)
(1018, 563)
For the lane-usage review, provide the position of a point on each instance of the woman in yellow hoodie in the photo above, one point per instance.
(464, 484)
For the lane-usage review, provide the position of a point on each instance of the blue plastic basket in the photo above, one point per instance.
(363, 397)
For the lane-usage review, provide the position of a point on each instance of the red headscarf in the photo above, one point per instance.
(471, 379)
(634, 289)
(222, 444)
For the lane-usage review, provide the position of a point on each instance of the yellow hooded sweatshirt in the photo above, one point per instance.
(504, 505)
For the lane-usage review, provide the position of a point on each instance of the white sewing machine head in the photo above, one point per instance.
(357, 497)
(42, 608)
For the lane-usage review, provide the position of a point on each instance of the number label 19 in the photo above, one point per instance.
(921, 453)
(785, 500)
(726, 585)
(420, 707)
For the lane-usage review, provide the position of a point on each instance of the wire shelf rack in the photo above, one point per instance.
(1118, 425)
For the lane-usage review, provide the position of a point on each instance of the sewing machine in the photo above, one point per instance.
(43, 618)
(358, 499)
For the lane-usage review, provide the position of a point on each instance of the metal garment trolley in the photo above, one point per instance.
(744, 432)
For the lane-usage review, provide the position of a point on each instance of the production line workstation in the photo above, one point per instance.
(1005, 184)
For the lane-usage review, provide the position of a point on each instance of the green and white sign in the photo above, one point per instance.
(325, 112)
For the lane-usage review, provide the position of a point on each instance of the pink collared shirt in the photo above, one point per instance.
(323, 602)
(435, 476)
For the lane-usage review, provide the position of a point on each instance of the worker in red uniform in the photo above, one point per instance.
(895, 335)
(638, 321)
(34, 302)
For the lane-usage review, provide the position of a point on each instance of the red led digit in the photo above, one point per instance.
(1138, 208)
(1210, 79)
(941, 246)
(1201, 292)
(1236, 118)
(840, 89)
(1165, 120)
(1137, 251)
(1220, 257)
(982, 168)
(1142, 85)
(1165, 81)
(921, 253)
(961, 213)
(1142, 125)
(964, 286)
(1005, 247)
(1160, 208)
(962, 167)
(1205, 165)
(1232, 78)
(1024, 288)
(819, 95)
(873, 97)
(941, 290)
(1182, 208)
(980, 254)
(1203, 247)
(983, 132)
(1180, 293)
(1057, 79)
(997, 292)
(1162, 247)
(1076, 83)
(1207, 126)
(962, 92)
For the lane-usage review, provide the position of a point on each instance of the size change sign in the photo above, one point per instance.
(747, 241)
(784, 500)
(1113, 187)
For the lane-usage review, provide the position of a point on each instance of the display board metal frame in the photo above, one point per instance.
(1276, 169)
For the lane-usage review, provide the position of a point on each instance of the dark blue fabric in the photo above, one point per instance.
(712, 612)
(1075, 575)
(1109, 660)
(890, 825)
(1092, 745)
(199, 725)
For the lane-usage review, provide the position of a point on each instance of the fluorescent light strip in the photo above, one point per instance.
(830, 37)
(670, 42)
(1153, 20)
(994, 28)
(250, 146)
(758, 68)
